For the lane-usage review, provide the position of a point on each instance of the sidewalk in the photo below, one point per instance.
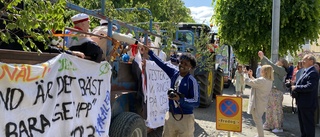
(291, 122)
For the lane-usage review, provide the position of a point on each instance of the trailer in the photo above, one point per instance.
(128, 112)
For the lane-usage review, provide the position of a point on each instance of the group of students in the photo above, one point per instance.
(80, 43)
(179, 72)
(94, 48)
(267, 91)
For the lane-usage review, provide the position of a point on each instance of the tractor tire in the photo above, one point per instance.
(218, 83)
(205, 82)
(128, 124)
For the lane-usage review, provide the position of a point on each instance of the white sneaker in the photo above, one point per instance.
(277, 130)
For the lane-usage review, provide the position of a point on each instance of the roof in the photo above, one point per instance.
(188, 26)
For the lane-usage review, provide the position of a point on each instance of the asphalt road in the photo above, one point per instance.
(205, 125)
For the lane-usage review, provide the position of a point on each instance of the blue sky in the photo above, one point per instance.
(197, 3)
(201, 10)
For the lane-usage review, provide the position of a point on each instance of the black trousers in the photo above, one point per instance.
(306, 122)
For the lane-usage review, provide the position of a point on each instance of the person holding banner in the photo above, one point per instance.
(83, 44)
(183, 96)
(260, 90)
(81, 22)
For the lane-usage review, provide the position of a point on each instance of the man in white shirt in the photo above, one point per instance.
(84, 43)
(103, 31)
(81, 22)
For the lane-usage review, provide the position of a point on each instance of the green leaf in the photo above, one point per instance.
(245, 27)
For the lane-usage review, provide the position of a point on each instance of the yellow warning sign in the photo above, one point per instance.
(229, 113)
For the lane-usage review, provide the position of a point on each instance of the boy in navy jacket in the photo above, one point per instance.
(186, 84)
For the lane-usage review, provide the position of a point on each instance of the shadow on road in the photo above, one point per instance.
(199, 131)
(207, 114)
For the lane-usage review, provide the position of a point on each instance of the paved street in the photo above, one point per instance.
(205, 125)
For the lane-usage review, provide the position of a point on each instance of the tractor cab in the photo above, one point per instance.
(209, 77)
(187, 34)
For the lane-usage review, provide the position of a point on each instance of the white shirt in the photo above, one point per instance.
(176, 86)
(177, 83)
(307, 69)
(162, 55)
(304, 71)
(258, 71)
(76, 40)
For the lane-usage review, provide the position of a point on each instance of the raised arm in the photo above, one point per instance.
(255, 83)
(251, 81)
(277, 69)
(164, 66)
(118, 36)
(157, 41)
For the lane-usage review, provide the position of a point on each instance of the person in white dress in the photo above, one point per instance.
(239, 81)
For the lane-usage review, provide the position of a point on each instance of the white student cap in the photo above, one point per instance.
(78, 18)
(103, 21)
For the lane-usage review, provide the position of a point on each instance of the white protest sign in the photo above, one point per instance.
(63, 97)
(157, 98)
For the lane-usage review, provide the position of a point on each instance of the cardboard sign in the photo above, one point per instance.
(157, 98)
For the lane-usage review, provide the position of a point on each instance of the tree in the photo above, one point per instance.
(162, 10)
(35, 17)
(23, 20)
(246, 25)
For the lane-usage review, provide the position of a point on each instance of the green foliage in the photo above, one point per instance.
(45, 15)
(162, 10)
(168, 12)
(202, 44)
(35, 16)
(247, 24)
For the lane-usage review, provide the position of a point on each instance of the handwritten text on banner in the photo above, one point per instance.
(65, 96)
(157, 98)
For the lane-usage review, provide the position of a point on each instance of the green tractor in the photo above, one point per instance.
(210, 80)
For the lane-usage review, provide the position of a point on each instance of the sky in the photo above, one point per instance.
(201, 10)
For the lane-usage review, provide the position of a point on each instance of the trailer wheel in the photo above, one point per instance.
(205, 81)
(128, 124)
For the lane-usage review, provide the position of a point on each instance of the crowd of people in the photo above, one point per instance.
(185, 99)
(267, 88)
(272, 81)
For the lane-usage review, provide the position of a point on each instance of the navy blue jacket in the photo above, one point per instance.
(188, 86)
(290, 72)
(307, 89)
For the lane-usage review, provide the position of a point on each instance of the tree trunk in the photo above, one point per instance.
(253, 65)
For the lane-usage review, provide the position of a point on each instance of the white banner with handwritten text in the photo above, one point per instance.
(157, 98)
(63, 97)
